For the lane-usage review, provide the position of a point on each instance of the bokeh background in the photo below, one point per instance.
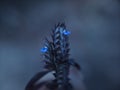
(95, 39)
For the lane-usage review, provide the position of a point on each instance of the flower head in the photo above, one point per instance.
(66, 32)
(44, 49)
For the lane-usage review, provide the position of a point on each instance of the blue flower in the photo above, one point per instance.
(44, 49)
(66, 32)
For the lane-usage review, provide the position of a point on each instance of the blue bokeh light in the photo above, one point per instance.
(66, 32)
(44, 49)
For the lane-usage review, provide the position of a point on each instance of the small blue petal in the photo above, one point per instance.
(66, 32)
(44, 49)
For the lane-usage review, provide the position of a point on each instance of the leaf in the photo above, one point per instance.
(46, 56)
(73, 63)
(31, 83)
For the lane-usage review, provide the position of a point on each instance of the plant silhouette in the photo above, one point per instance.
(56, 53)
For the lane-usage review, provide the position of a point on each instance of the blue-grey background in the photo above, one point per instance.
(95, 39)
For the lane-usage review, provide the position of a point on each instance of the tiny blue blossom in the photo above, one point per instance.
(44, 49)
(66, 32)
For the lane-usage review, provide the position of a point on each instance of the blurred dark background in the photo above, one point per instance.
(95, 39)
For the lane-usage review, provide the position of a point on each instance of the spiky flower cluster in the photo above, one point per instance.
(56, 53)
